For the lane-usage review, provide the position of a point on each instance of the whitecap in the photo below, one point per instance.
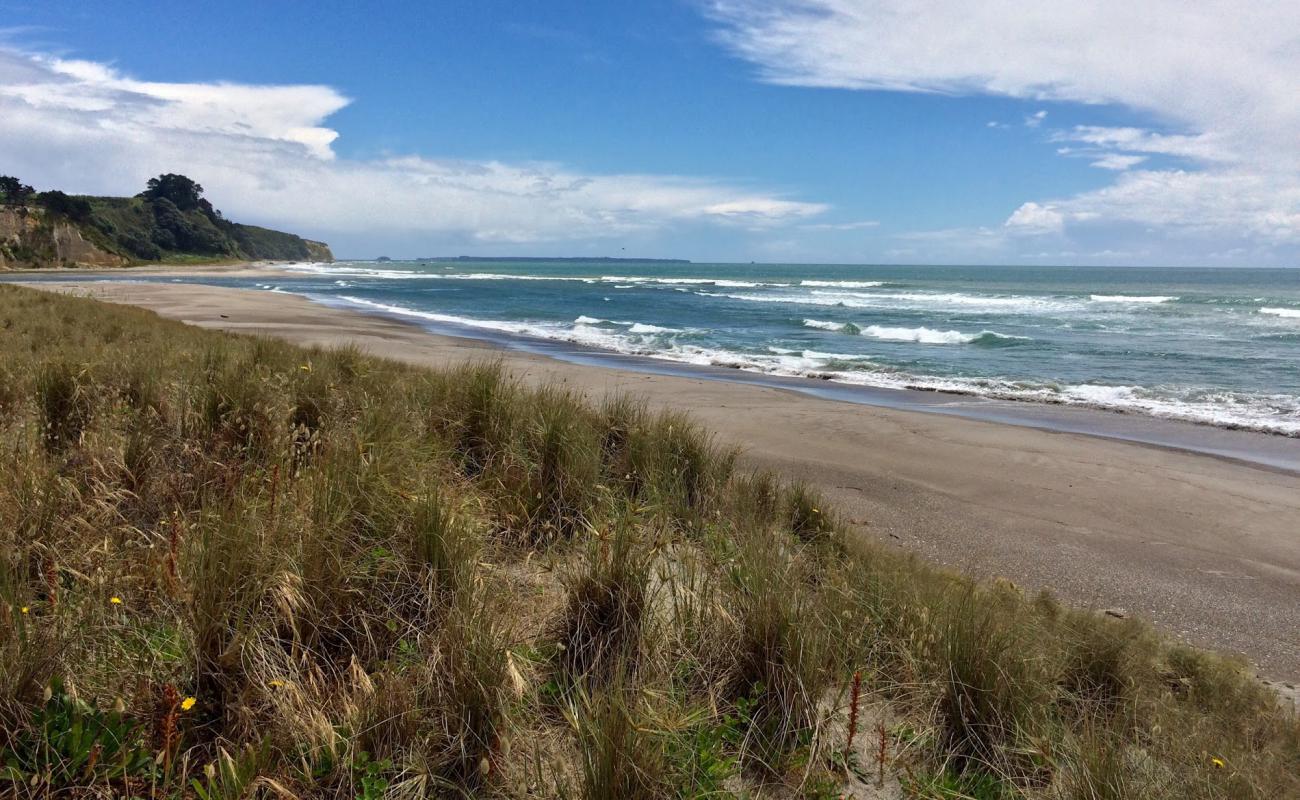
(824, 325)
(1124, 298)
(843, 284)
(920, 335)
(943, 301)
(722, 282)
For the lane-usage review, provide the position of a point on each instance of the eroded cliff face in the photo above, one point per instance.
(319, 251)
(72, 248)
(29, 239)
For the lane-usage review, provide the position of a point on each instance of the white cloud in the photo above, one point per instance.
(265, 153)
(1034, 218)
(1035, 119)
(1217, 78)
(1207, 147)
(1118, 161)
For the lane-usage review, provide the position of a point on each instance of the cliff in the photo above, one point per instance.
(118, 231)
(31, 238)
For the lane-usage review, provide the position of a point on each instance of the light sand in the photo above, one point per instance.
(1206, 548)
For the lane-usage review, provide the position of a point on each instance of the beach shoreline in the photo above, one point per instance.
(1202, 546)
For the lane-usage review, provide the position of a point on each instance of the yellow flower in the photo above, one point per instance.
(188, 703)
(277, 684)
(305, 368)
(1217, 762)
(117, 601)
(25, 609)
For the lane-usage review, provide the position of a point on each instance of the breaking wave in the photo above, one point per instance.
(1124, 298)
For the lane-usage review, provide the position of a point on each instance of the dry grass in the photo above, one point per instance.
(380, 581)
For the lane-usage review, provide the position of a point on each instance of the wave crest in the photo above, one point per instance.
(1126, 298)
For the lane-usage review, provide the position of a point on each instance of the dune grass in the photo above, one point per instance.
(236, 568)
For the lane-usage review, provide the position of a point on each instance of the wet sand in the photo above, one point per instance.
(1207, 548)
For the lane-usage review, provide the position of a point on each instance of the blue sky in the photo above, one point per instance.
(825, 130)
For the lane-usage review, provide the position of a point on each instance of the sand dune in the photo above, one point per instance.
(1206, 548)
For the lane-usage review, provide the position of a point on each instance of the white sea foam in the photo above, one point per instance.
(355, 271)
(723, 282)
(824, 325)
(1124, 298)
(632, 327)
(918, 335)
(843, 284)
(1290, 313)
(921, 335)
(1271, 413)
(941, 301)
(621, 281)
(1276, 414)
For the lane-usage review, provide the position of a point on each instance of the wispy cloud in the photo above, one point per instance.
(862, 224)
(265, 152)
(1117, 162)
(1219, 77)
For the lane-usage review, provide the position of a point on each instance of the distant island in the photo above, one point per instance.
(169, 222)
(564, 259)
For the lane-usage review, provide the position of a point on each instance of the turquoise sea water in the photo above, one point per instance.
(1214, 346)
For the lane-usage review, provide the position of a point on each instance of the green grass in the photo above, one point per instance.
(376, 580)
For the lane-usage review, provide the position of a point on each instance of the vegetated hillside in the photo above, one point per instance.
(231, 567)
(170, 221)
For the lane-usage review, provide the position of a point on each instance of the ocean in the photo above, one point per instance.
(1213, 346)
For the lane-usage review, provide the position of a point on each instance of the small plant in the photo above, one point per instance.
(228, 777)
(704, 755)
(621, 753)
(809, 517)
(951, 785)
(600, 631)
(370, 778)
(71, 743)
(64, 402)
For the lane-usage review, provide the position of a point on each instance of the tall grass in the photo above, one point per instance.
(237, 566)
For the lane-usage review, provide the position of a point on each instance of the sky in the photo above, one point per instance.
(853, 131)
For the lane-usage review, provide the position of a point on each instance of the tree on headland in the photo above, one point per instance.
(184, 193)
(74, 208)
(14, 192)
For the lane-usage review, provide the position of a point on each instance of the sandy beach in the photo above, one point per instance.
(1206, 548)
